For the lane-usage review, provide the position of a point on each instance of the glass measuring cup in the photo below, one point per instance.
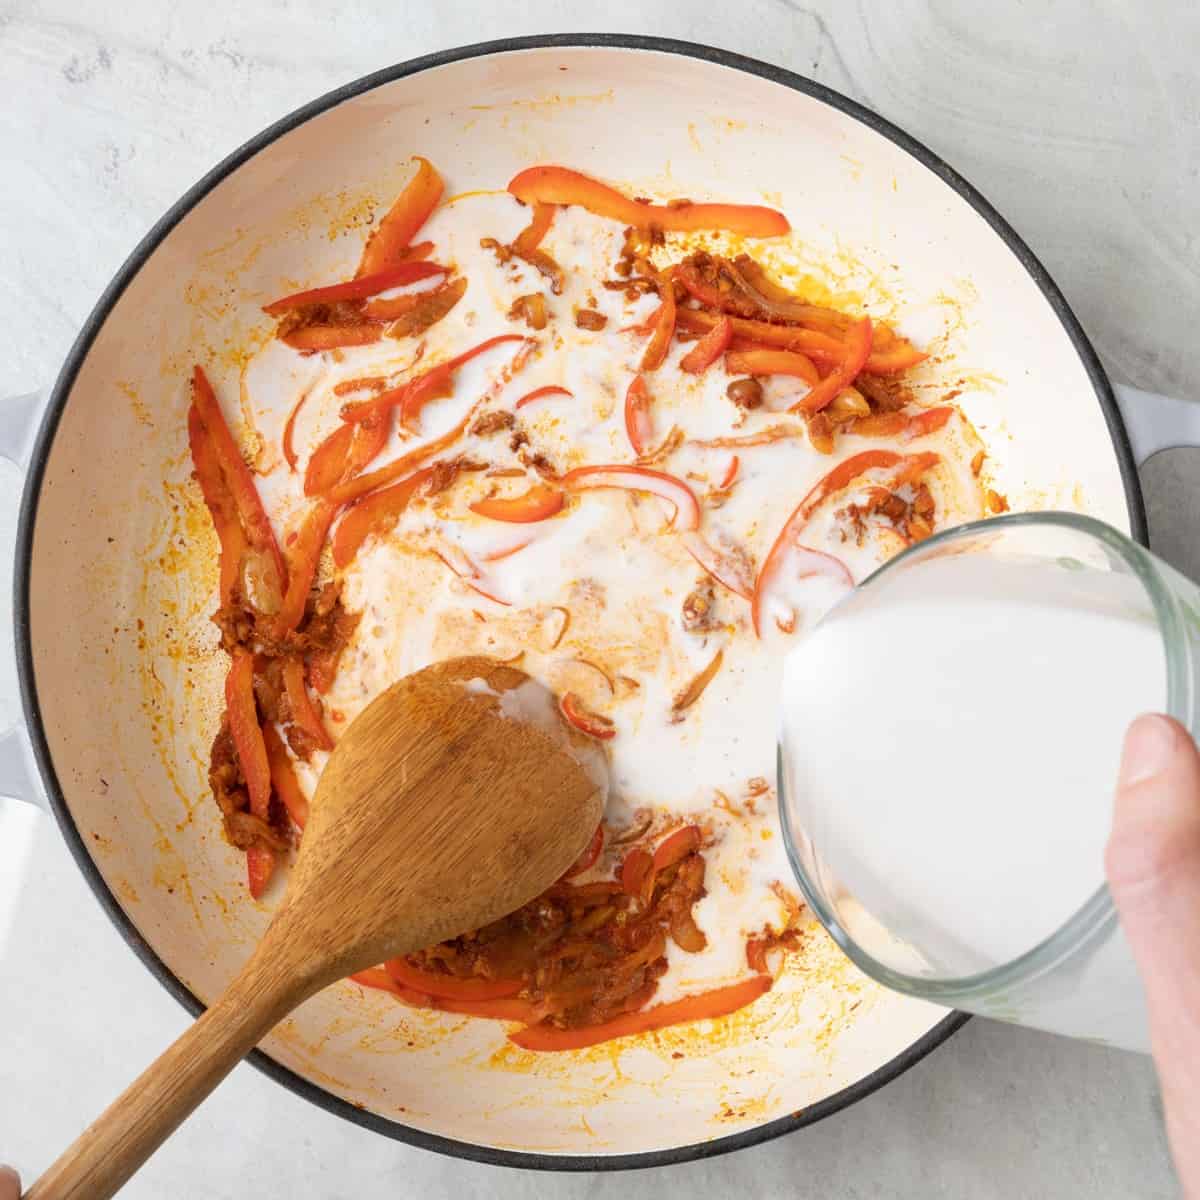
(961, 860)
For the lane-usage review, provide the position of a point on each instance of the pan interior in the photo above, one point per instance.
(121, 651)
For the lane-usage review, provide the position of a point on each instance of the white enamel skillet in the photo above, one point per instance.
(119, 682)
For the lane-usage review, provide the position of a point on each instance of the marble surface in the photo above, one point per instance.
(1079, 120)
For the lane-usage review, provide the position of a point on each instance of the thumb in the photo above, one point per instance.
(1153, 867)
(1153, 856)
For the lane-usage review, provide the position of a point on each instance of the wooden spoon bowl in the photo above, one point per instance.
(456, 796)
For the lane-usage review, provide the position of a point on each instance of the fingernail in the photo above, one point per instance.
(1149, 745)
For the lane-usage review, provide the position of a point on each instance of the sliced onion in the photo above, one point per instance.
(466, 568)
(640, 479)
(727, 569)
(781, 305)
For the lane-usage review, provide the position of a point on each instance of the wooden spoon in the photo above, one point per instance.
(454, 798)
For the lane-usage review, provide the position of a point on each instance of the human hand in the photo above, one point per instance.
(1153, 867)
(10, 1184)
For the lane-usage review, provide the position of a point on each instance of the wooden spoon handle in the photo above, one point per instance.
(124, 1136)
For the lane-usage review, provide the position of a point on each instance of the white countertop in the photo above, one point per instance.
(1080, 121)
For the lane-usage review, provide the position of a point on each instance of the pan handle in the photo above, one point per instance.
(1157, 422)
(19, 418)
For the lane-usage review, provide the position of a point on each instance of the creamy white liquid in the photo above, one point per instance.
(951, 743)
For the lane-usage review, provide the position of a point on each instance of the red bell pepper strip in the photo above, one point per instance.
(593, 724)
(327, 463)
(375, 513)
(312, 338)
(220, 503)
(730, 475)
(436, 384)
(709, 348)
(283, 777)
(559, 185)
(842, 476)
(413, 314)
(417, 392)
(902, 424)
(360, 288)
(360, 485)
(490, 344)
(256, 525)
(772, 362)
(539, 503)
(641, 479)
(347, 451)
(823, 348)
(303, 557)
(435, 983)
(247, 733)
(679, 845)
(891, 360)
(914, 466)
(530, 238)
(638, 424)
(858, 349)
(370, 438)
(787, 544)
(388, 244)
(416, 251)
(377, 977)
(260, 866)
(252, 754)
(701, 289)
(588, 858)
(541, 393)
(707, 1005)
(805, 563)
(664, 328)
(304, 714)
(647, 325)
(429, 385)
(505, 1008)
